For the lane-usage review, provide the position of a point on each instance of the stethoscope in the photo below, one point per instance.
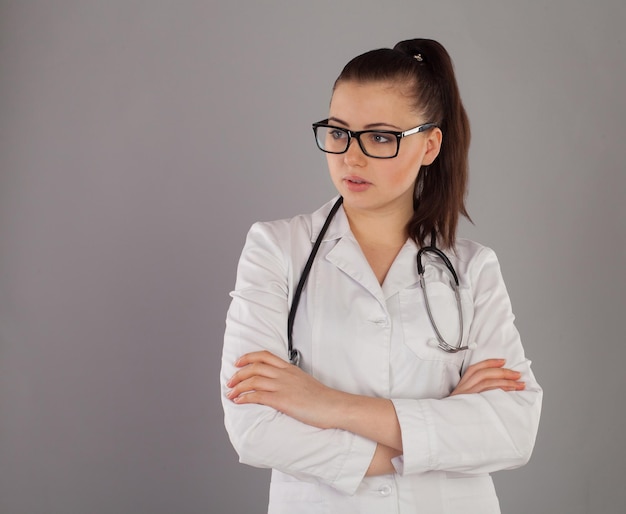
(294, 355)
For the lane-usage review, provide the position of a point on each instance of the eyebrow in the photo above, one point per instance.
(368, 126)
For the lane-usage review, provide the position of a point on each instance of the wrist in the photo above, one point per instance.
(338, 410)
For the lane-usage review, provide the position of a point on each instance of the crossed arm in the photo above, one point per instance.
(265, 379)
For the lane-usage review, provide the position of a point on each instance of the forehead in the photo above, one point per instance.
(363, 103)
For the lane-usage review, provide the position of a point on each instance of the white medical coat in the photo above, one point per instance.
(360, 337)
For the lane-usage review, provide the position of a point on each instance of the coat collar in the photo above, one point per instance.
(403, 271)
(337, 228)
(347, 256)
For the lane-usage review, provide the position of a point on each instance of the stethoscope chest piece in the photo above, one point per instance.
(294, 357)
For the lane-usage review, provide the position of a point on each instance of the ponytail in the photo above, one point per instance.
(440, 189)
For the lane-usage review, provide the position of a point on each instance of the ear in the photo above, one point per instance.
(433, 146)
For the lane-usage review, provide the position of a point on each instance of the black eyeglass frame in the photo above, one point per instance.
(357, 135)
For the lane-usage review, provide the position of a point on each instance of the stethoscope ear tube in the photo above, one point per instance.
(294, 355)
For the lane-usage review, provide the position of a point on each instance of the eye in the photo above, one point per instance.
(337, 133)
(380, 138)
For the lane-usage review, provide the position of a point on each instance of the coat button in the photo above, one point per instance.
(384, 490)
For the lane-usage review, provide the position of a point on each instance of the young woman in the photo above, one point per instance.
(375, 383)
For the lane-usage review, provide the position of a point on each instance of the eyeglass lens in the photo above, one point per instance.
(374, 144)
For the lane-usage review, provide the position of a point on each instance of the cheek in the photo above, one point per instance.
(403, 175)
(334, 163)
(410, 165)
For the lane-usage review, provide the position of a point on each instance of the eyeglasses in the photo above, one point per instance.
(380, 144)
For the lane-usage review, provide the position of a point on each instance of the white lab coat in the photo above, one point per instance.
(358, 336)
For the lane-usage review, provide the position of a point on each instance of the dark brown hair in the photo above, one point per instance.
(424, 67)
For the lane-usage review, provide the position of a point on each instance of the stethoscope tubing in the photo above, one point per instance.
(294, 354)
(454, 284)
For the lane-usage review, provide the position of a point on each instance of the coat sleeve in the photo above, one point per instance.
(257, 320)
(481, 432)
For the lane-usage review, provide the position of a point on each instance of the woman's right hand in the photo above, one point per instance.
(486, 375)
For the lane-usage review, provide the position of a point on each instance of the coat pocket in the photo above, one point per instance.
(419, 334)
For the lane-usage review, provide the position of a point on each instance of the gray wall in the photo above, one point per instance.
(140, 139)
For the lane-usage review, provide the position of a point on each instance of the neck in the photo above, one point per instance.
(382, 229)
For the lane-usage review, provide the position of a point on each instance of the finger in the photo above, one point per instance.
(495, 373)
(254, 397)
(488, 385)
(484, 366)
(485, 375)
(262, 356)
(250, 385)
(487, 363)
(505, 385)
(251, 370)
(260, 397)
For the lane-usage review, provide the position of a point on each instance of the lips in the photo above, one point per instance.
(356, 180)
(356, 184)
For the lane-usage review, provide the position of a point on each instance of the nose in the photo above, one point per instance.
(354, 156)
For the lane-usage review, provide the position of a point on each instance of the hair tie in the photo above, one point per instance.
(419, 57)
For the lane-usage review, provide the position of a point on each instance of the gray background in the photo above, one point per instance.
(140, 139)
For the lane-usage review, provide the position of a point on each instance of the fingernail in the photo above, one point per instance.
(521, 385)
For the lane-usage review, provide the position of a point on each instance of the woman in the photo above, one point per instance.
(404, 399)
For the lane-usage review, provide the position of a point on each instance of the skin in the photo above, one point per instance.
(378, 215)
(388, 200)
(378, 201)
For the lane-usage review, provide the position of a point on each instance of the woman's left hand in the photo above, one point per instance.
(265, 379)
(489, 374)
